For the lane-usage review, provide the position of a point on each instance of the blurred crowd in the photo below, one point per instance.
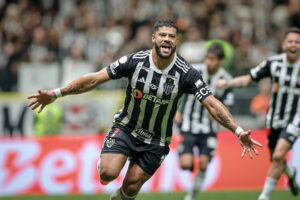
(84, 35)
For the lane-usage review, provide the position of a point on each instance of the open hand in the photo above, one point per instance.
(42, 98)
(248, 143)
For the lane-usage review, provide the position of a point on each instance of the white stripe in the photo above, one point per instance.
(186, 113)
(184, 66)
(185, 71)
(183, 63)
(136, 74)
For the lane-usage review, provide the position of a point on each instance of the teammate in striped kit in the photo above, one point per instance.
(142, 130)
(196, 125)
(284, 107)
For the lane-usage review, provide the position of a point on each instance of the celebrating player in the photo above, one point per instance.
(142, 129)
(196, 125)
(284, 108)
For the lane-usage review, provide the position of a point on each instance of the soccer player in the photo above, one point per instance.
(284, 108)
(142, 129)
(196, 125)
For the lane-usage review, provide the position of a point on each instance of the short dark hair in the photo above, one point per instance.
(165, 22)
(216, 49)
(292, 30)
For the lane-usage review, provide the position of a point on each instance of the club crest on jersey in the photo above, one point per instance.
(110, 142)
(168, 88)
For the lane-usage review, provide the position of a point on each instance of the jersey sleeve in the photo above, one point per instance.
(261, 71)
(121, 68)
(194, 84)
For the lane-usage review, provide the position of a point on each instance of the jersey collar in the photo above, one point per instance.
(166, 70)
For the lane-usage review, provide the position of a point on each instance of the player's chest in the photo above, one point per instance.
(151, 84)
(286, 76)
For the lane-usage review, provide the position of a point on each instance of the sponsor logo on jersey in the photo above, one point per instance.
(142, 80)
(110, 142)
(144, 133)
(199, 83)
(113, 67)
(153, 87)
(149, 97)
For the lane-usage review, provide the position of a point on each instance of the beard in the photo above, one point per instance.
(157, 48)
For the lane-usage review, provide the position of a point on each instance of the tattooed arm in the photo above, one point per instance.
(221, 114)
(85, 83)
(240, 81)
(82, 84)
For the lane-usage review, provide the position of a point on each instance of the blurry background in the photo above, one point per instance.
(47, 43)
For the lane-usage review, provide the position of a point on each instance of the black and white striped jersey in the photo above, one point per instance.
(153, 95)
(195, 117)
(284, 102)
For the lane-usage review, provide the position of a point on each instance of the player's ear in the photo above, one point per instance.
(283, 46)
(153, 38)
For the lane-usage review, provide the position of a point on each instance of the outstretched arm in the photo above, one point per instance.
(221, 114)
(240, 81)
(82, 84)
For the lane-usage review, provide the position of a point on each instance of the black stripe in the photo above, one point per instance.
(201, 113)
(191, 114)
(274, 97)
(172, 113)
(287, 82)
(136, 107)
(283, 105)
(294, 107)
(162, 110)
(150, 105)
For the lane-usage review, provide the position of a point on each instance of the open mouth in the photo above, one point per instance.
(165, 48)
(293, 51)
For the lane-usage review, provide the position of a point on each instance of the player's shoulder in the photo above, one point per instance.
(141, 54)
(181, 64)
(278, 58)
(199, 66)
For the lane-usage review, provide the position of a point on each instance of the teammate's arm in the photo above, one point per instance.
(221, 114)
(82, 84)
(240, 81)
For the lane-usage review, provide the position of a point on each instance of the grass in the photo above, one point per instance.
(228, 195)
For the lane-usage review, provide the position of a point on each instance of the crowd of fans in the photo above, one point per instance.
(89, 34)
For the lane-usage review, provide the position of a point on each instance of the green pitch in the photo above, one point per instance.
(228, 195)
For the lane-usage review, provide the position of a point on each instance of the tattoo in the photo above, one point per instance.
(223, 116)
(70, 89)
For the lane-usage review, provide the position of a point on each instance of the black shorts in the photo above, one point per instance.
(148, 156)
(284, 133)
(206, 143)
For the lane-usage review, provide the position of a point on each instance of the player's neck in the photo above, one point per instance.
(161, 63)
(289, 61)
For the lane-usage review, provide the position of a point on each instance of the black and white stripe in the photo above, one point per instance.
(153, 95)
(195, 118)
(284, 103)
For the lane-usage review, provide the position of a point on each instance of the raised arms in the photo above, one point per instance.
(82, 84)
